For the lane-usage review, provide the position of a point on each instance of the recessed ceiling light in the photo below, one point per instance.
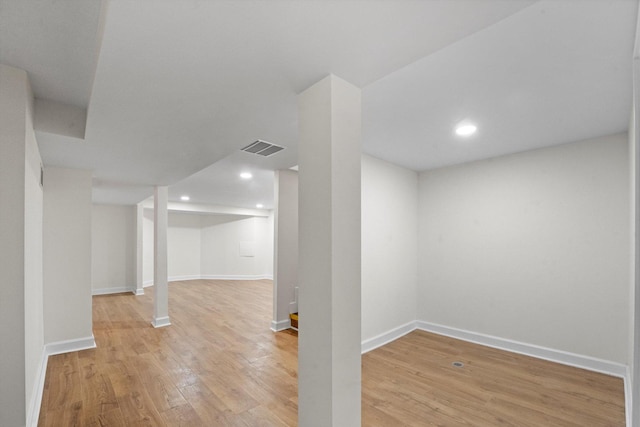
(466, 129)
(246, 175)
(259, 206)
(184, 198)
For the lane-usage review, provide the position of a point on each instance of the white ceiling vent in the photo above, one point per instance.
(262, 148)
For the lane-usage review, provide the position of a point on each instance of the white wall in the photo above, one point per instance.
(113, 246)
(266, 237)
(33, 276)
(633, 385)
(532, 247)
(183, 245)
(21, 317)
(67, 254)
(264, 246)
(208, 246)
(389, 246)
(222, 239)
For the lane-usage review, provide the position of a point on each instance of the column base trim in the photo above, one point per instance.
(160, 322)
(280, 325)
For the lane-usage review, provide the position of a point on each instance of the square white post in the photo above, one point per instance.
(285, 253)
(139, 249)
(329, 355)
(160, 272)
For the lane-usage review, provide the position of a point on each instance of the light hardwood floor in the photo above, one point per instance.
(412, 381)
(220, 365)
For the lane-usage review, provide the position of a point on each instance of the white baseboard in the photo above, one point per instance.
(552, 355)
(70, 345)
(161, 322)
(280, 325)
(148, 283)
(236, 277)
(387, 337)
(116, 290)
(558, 356)
(138, 291)
(33, 413)
(627, 397)
(51, 349)
(181, 278)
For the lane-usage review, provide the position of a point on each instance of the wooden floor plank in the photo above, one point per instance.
(493, 388)
(219, 364)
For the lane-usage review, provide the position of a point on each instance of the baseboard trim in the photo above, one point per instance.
(558, 356)
(148, 283)
(565, 358)
(118, 290)
(70, 345)
(386, 337)
(236, 277)
(33, 414)
(138, 291)
(627, 397)
(182, 278)
(280, 325)
(51, 349)
(161, 322)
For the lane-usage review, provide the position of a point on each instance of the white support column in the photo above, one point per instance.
(14, 99)
(329, 358)
(285, 253)
(160, 274)
(632, 383)
(139, 249)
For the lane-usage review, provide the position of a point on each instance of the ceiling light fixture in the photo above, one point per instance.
(184, 198)
(259, 206)
(246, 175)
(466, 129)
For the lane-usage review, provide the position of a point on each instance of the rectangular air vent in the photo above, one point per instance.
(262, 148)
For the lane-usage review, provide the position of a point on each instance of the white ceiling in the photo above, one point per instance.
(553, 73)
(180, 86)
(56, 42)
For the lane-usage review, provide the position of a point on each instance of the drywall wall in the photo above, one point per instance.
(183, 245)
(208, 246)
(632, 385)
(13, 107)
(21, 318)
(113, 246)
(532, 247)
(266, 237)
(33, 277)
(236, 247)
(389, 246)
(67, 254)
